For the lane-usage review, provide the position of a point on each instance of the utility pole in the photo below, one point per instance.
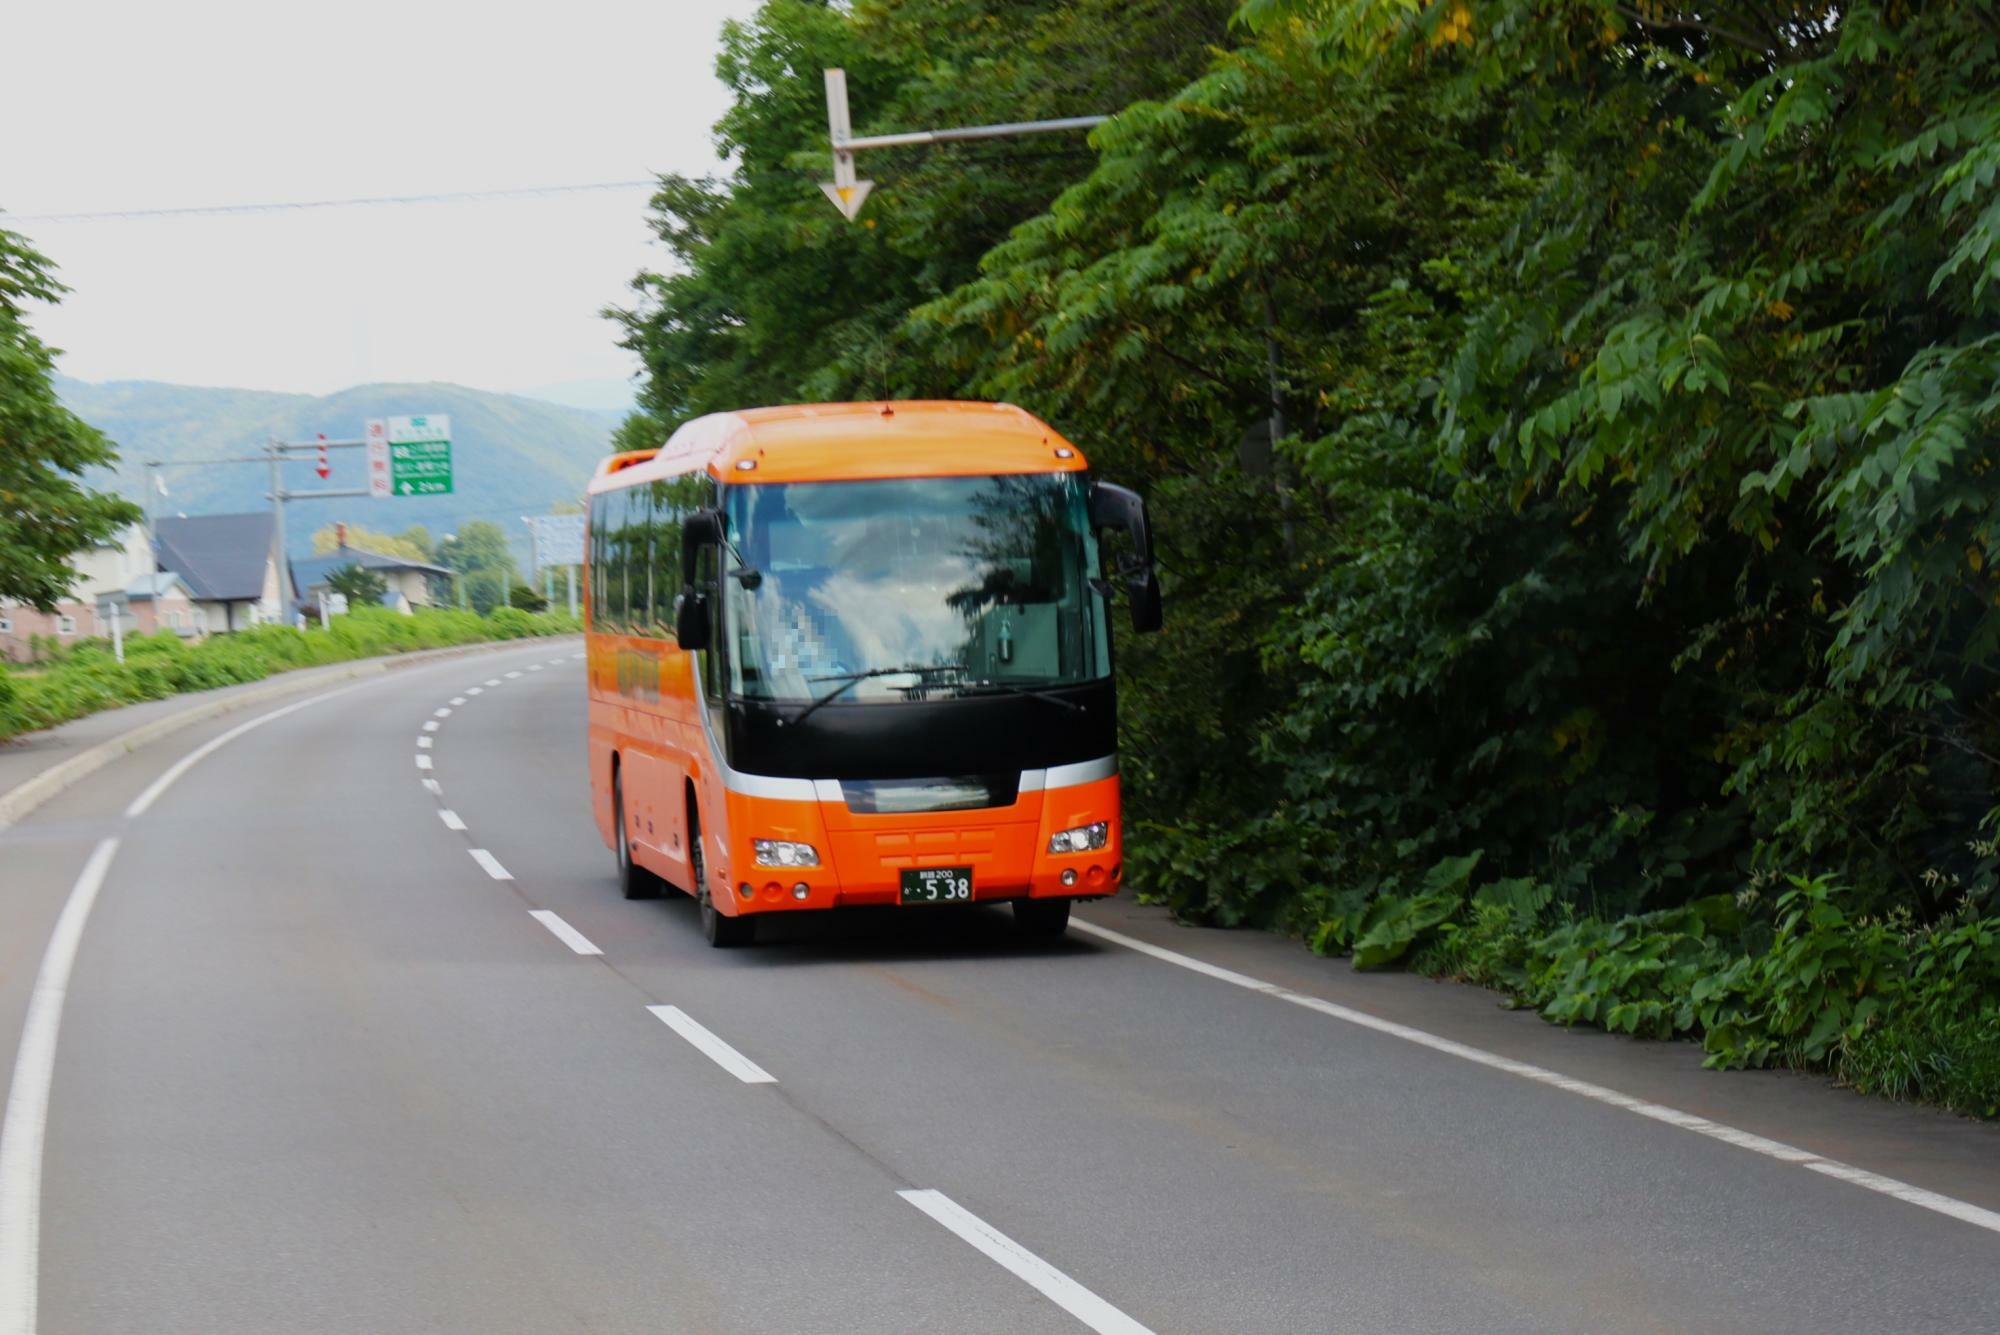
(848, 194)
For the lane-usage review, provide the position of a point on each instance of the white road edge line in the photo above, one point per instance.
(717, 1051)
(1024, 1265)
(1965, 1211)
(450, 819)
(491, 864)
(27, 1117)
(209, 747)
(565, 933)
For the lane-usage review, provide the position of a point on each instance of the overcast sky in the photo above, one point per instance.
(203, 102)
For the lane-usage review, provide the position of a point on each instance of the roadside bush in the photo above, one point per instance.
(509, 623)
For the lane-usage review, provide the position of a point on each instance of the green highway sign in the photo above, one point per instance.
(410, 456)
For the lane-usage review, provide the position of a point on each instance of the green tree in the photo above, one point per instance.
(479, 552)
(528, 598)
(363, 587)
(46, 513)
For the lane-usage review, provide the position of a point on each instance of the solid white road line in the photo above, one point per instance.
(430, 725)
(1728, 1135)
(424, 742)
(492, 865)
(209, 747)
(565, 933)
(441, 712)
(27, 1118)
(423, 762)
(1050, 1282)
(431, 785)
(457, 700)
(717, 1051)
(450, 819)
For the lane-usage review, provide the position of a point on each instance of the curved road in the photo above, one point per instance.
(322, 1069)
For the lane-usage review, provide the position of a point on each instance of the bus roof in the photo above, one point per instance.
(822, 442)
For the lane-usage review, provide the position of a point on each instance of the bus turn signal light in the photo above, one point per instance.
(1082, 839)
(784, 853)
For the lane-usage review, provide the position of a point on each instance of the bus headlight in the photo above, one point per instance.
(784, 853)
(1082, 839)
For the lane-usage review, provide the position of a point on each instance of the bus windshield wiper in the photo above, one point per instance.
(848, 679)
(1020, 688)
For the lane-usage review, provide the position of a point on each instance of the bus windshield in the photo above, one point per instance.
(911, 588)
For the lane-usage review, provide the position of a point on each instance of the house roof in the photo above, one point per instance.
(222, 558)
(314, 569)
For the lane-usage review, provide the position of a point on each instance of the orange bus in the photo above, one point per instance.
(849, 654)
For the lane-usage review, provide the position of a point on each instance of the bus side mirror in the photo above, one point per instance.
(701, 532)
(691, 619)
(1113, 506)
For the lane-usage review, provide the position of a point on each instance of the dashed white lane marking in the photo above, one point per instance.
(512, 675)
(423, 762)
(717, 1051)
(565, 933)
(27, 1118)
(491, 864)
(492, 681)
(458, 700)
(441, 712)
(534, 667)
(576, 658)
(450, 819)
(475, 690)
(1728, 1135)
(424, 742)
(1024, 1265)
(431, 786)
(430, 725)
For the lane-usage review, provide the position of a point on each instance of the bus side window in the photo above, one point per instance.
(666, 563)
(617, 543)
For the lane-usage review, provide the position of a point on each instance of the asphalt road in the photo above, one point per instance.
(320, 1070)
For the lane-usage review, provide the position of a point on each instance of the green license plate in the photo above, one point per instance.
(937, 885)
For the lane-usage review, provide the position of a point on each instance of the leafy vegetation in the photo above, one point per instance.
(85, 677)
(361, 586)
(1571, 430)
(45, 511)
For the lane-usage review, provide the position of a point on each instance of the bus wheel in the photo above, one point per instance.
(1041, 917)
(721, 931)
(633, 880)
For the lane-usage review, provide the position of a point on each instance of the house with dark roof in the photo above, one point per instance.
(410, 583)
(228, 562)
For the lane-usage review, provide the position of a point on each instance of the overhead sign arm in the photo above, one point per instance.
(848, 193)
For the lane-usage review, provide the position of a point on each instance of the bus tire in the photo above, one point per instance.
(1041, 917)
(722, 931)
(634, 881)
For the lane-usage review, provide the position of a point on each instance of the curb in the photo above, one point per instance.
(24, 797)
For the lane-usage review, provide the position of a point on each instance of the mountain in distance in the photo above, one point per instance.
(511, 456)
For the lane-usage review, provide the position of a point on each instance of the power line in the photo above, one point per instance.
(373, 201)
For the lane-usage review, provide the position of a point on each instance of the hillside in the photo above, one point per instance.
(512, 456)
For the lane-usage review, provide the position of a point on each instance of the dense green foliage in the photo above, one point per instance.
(45, 512)
(479, 552)
(1571, 430)
(85, 677)
(361, 586)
